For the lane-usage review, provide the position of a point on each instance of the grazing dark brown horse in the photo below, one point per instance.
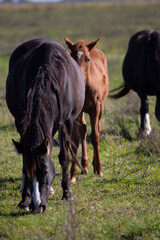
(141, 73)
(45, 92)
(93, 64)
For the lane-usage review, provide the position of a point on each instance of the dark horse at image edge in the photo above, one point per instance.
(45, 93)
(141, 73)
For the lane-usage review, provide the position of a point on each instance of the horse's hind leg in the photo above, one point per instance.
(26, 192)
(75, 139)
(95, 116)
(145, 120)
(64, 161)
(79, 131)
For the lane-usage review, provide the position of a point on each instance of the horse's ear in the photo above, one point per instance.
(68, 42)
(18, 146)
(92, 44)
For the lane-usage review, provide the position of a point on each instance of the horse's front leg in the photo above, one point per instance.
(26, 192)
(95, 138)
(145, 120)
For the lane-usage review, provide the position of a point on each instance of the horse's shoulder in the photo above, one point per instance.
(99, 62)
(98, 56)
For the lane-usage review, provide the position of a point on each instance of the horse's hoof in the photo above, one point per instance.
(51, 191)
(24, 206)
(100, 174)
(85, 171)
(73, 180)
(38, 210)
(67, 197)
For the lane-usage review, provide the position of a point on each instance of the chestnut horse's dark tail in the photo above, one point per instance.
(123, 91)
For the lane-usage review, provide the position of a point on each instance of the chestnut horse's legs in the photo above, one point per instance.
(100, 116)
(95, 116)
(145, 120)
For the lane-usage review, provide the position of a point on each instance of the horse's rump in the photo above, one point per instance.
(141, 64)
(43, 96)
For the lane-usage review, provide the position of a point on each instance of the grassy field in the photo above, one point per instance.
(125, 202)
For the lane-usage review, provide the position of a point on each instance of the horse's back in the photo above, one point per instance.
(142, 62)
(99, 73)
(15, 85)
(24, 66)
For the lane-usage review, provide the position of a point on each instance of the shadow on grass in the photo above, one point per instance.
(12, 180)
(10, 126)
(4, 182)
(3, 235)
(16, 214)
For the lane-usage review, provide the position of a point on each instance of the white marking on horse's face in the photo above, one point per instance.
(147, 126)
(79, 54)
(23, 182)
(36, 193)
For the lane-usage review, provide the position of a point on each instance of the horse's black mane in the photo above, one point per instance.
(48, 65)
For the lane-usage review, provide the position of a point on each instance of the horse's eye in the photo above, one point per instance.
(87, 59)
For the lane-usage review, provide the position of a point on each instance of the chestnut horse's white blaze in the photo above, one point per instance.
(79, 54)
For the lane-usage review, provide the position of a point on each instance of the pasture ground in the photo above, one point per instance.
(125, 202)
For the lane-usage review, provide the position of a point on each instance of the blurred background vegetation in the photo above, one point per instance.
(124, 203)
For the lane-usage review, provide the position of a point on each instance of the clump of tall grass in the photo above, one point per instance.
(150, 145)
(122, 118)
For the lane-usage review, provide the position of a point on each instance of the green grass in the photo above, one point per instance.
(125, 202)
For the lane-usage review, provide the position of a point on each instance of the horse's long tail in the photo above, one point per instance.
(123, 91)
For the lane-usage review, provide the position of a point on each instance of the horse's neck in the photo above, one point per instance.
(86, 72)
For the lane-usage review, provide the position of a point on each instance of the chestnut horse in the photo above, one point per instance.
(45, 92)
(141, 73)
(94, 67)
